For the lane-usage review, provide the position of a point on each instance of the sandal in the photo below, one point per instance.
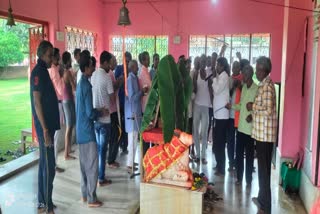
(105, 182)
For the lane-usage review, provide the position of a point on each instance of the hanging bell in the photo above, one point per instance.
(10, 19)
(124, 15)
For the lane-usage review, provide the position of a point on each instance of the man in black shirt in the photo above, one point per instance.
(44, 105)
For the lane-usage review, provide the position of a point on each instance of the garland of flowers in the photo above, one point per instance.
(199, 180)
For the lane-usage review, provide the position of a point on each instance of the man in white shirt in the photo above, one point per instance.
(200, 111)
(115, 118)
(210, 68)
(196, 67)
(102, 91)
(76, 66)
(221, 94)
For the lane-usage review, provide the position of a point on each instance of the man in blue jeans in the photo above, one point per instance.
(102, 91)
(85, 116)
(45, 112)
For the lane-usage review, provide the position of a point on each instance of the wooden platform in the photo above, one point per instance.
(164, 199)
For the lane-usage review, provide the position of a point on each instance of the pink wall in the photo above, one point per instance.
(83, 14)
(291, 98)
(201, 17)
(307, 105)
(295, 109)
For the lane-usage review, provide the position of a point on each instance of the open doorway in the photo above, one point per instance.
(17, 58)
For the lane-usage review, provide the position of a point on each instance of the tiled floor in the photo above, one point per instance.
(18, 194)
(237, 199)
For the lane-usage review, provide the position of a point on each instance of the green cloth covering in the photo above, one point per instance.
(290, 177)
(247, 95)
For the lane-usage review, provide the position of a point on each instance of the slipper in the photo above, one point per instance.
(9, 153)
(113, 166)
(69, 157)
(95, 204)
(105, 182)
(59, 170)
(129, 169)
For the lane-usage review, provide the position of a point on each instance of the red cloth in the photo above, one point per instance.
(237, 100)
(160, 157)
(154, 136)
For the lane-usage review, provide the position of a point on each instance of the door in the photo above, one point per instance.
(36, 35)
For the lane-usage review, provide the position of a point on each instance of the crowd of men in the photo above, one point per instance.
(94, 104)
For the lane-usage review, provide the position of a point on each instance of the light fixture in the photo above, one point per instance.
(124, 15)
(10, 19)
(214, 1)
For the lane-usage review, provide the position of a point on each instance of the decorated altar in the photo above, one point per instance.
(167, 181)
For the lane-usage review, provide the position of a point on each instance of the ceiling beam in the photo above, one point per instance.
(146, 1)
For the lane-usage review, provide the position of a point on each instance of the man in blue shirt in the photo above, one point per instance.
(85, 116)
(45, 112)
(119, 73)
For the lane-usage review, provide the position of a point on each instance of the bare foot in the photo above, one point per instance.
(41, 210)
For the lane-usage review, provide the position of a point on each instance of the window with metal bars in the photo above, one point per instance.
(251, 46)
(136, 44)
(79, 38)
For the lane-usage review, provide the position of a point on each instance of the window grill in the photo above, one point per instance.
(79, 38)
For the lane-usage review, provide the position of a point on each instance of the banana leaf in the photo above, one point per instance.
(173, 86)
(167, 71)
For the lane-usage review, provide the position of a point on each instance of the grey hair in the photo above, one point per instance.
(248, 69)
(43, 47)
(266, 63)
(131, 63)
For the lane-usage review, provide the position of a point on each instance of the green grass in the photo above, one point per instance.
(15, 113)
